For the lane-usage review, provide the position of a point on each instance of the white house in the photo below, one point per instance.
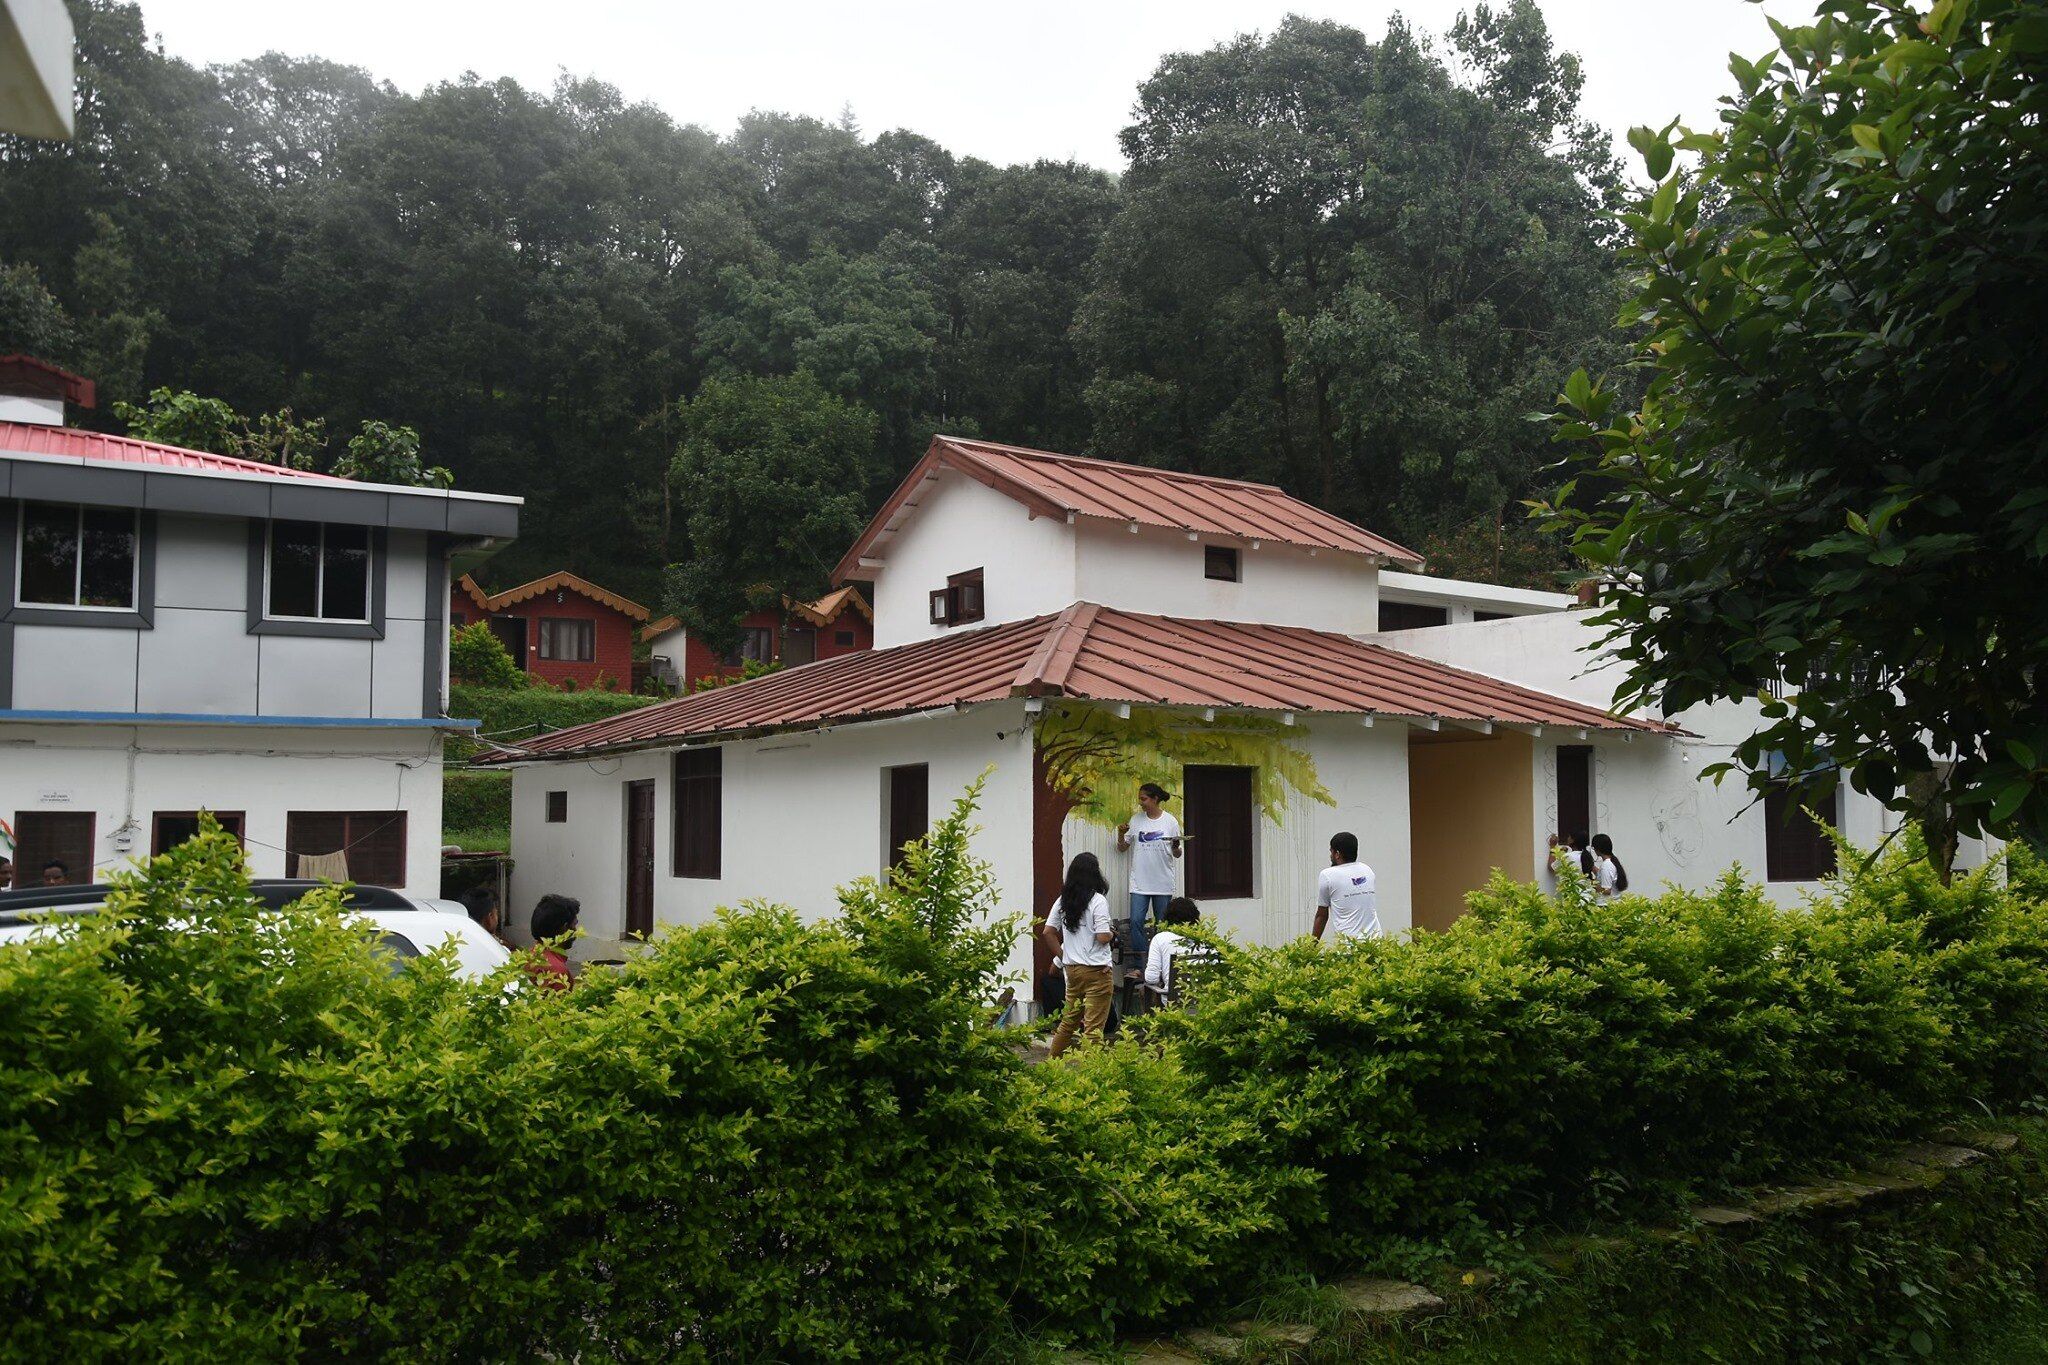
(1020, 595)
(182, 631)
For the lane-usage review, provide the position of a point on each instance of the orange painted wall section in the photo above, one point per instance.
(1471, 809)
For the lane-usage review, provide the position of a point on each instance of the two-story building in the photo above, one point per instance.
(1022, 597)
(182, 631)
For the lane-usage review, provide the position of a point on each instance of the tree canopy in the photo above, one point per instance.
(1836, 486)
(1340, 263)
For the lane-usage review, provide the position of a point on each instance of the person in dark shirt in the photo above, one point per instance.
(553, 924)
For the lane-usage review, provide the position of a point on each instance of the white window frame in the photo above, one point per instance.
(78, 560)
(320, 577)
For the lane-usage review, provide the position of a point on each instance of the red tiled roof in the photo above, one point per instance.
(1098, 654)
(1069, 485)
(30, 438)
(26, 374)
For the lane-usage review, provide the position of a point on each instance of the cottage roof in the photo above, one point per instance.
(822, 612)
(538, 587)
(25, 374)
(1098, 654)
(1069, 486)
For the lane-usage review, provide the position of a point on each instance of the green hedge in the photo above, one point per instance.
(473, 801)
(769, 1138)
(516, 713)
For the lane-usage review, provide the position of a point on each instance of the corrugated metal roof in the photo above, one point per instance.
(1099, 654)
(30, 438)
(1070, 485)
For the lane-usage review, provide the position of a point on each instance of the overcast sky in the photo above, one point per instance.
(1010, 82)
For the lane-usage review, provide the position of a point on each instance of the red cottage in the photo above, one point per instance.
(560, 628)
(840, 622)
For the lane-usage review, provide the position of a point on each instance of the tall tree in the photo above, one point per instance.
(770, 472)
(1838, 476)
(1341, 268)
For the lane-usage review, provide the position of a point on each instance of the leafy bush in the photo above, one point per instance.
(227, 1133)
(476, 801)
(516, 713)
(475, 655)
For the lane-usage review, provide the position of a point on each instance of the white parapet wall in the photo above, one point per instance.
(124, 775)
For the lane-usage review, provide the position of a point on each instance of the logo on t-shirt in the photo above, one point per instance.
(1149, 836)
(1358, 881)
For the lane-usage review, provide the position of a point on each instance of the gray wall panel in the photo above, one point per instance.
(217, 497)
(309, 677)
(395, 675)
(198, 661)
(202, 562)
(483, 519)
(324, 502)
(79, 483)
(61, 668)
(418, 512)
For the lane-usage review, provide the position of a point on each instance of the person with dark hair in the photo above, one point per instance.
(1077, 927)
(1568, 856)
(1347, 895)
(55, 873)
(482, 904)
(1153, 839)
(1610, 878)
(1168, 942)
(6, 872)
(1582, 852)
(554, 920)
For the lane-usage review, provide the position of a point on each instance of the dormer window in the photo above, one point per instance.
(1221, 563)
(318, 572)
(82, 557)
(959, 602)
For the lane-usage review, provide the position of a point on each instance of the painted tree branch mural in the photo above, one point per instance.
(1096, 759)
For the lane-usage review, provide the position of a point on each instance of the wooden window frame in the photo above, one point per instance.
(375, 821)
(1215, 793)
(28, 865)
(697, 814)
(961, 602)
(897, 793)
(1796, 849)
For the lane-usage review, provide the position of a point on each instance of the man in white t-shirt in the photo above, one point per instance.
(1153, 839)
(1347, 896)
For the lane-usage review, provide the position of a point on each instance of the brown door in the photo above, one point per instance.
(799, 646)
(909, 807)
(640, 859)
(511, 633)
(43, 835)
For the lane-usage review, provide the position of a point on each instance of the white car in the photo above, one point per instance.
(406, 926)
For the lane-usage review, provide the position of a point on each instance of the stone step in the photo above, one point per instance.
(1252, 1341)
(1370, 1297)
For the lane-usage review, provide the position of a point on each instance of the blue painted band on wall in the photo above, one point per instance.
(266, 722)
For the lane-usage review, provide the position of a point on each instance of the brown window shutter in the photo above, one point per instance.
(698, 834)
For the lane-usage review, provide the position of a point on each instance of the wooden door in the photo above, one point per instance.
(909, 807)
(41, 835)
(1574, 790)
(799, 646)
(511, 633)
(640, 859)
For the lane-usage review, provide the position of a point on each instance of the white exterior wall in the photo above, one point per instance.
(1027, 563)
(1367, 771)
(123, 774)
(1461, 597)
(1159, 572)
(803, 815)
(1667, 824)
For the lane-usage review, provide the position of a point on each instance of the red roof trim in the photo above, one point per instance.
(512, 597)
(32, 438)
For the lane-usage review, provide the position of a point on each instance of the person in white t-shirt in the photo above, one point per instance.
(1078, 928)
(1168, 943)
(1153, 839)
(1347, 896)
(1610, 878)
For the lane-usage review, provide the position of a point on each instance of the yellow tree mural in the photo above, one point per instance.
(1095, 760)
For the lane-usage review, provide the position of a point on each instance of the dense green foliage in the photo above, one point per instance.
(476, 655)
(476, 803)
(1838, 475)
(772, 1138)
(770, 470)
(511, 714)
(1333, 265)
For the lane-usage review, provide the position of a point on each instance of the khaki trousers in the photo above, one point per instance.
(1088, 993)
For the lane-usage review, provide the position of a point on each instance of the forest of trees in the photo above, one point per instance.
(1346, 264)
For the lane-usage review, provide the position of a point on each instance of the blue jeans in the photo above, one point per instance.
(1140, 902)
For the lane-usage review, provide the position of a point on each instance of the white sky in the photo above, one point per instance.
(1014, 82)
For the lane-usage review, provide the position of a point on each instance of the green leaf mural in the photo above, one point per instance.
(1097, 759)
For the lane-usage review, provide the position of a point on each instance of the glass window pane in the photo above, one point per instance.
(49, 554)
(294, 568)
(347, 593)
(107, 575)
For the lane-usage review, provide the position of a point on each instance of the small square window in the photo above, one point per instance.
(1220, 562)
(843, 638)
(319, 572)
(75, 556)
(558, 808)
(959, 602)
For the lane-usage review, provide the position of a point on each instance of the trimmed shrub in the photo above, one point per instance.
(516, 713)
(478, 657)
(476, 801)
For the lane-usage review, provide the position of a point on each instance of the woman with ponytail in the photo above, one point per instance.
(1609, 876)
(1078, 929)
